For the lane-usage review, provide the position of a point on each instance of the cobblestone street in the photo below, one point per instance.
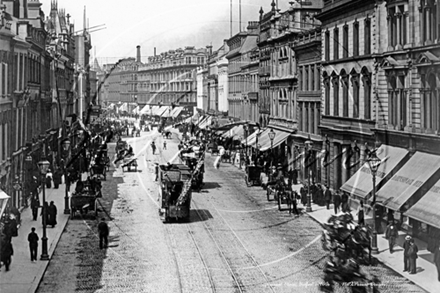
(235, 241)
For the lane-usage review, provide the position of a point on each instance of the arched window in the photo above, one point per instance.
(335, 83)
(366, 82)
(345, 86)
(355, 86)
(326, 79)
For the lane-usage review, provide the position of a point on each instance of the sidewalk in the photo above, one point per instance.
(23, 275)
(426, 276)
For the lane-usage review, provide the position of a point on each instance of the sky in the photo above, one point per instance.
(160, 24)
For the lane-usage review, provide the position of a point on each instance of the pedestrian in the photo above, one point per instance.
(361, 213)
(44, 213)
(437, 261)
(336, 202)
(33, 244)
(294, 195)
(303, 193)
(391, 234)
(103, 233)
(49, 179)
(153, 147)
(327, 196)
(344, 203)
(7, 251)
(406, 245)
(35, 204)
(57, 177)
(156, 171)
(52, 214)
(164, 145)
(412, 254)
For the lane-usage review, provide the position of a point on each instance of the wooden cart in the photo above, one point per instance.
(83, 203)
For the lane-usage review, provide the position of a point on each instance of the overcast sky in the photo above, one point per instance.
(164, 24)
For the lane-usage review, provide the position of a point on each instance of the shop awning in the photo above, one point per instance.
(176, 112)
(167, 112)
(206, 122)
(251, 139)
(145, 110)
(361, 183)
(3, 201)
(427, 209)
(160, 111)
(408, 180)
(280, 137)
(235, 132)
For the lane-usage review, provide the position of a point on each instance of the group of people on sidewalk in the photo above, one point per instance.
(9, 228)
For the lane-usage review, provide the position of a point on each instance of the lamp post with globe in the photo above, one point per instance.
(43, 166)
(373, 163)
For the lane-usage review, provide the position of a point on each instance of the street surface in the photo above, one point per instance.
(235, 241)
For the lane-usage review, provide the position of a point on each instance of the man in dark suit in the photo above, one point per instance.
(336, 202)
(327, 196)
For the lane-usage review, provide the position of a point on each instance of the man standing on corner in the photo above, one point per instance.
(103, 233)
(33, 244)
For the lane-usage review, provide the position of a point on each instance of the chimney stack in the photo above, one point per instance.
(154, 51)
(138, 53)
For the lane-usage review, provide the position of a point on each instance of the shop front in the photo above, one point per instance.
(407, 186)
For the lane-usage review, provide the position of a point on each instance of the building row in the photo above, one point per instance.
(334, 79)
(44, 78)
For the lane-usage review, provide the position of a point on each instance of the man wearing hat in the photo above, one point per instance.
(406, 245)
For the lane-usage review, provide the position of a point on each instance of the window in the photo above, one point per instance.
(335, 81)
(356, 38)
(367, 36)
(345, 85)
(429, 12)
(355, 84)
(335, 44)
(397, 101)
(306, 78)
(327, 46)
(431, 111)
(312, 77)
(397, 27)
(300, 69)
(366, 80)
(345, 42)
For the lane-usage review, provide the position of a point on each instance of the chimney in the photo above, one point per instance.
(138, 53)
(209, 50)
(154, 51)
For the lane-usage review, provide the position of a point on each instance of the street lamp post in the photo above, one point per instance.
(66, 148)
(246, 132)
(43, 166)
(373, 163)
(271, 137)
(308, 144)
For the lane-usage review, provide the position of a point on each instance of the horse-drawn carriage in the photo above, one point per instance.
(174, 192)
(280, 191)
(253, 174)
(129, 162)
(84, 198)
